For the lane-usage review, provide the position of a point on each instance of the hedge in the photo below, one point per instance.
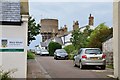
(52, 47)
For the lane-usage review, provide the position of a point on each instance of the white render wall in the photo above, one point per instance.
(108, 45)
(116, 38)
(15, 60)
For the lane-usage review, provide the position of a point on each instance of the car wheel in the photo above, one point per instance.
(81, 66)
(103, 67)
(54, 57)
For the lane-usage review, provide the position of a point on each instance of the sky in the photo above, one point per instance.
(67, 12)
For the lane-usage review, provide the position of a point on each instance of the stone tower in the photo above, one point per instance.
(49, 28)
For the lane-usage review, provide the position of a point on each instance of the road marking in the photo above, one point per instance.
(43, 70)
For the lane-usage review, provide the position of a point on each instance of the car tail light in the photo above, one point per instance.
(103, 56)
(84, 56)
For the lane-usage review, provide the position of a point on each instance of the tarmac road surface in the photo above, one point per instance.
(65, 69)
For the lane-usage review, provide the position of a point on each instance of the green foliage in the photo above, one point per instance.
(110, 66)
(79, 39)
(69, 48)
(6, 75)
(30, 55)
(76, 38)
(52, 47)
(98, 36)
(90, 38)
(33, 29)
(72, 54)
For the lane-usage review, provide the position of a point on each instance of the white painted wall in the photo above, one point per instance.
(67, 38)
(116, 38)
(108, 46)
(15, 60)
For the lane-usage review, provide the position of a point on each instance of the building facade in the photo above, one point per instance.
(49, 28)
(13, 37)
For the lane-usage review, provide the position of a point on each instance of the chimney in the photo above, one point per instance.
(91, 20)
(65, 28)
(75, 25)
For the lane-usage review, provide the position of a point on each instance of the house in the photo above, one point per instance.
(13, 36)
(63, 37)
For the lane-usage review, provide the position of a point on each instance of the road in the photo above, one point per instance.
(65, 69)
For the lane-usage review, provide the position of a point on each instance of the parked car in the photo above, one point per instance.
(60, 54)
(44, 52)
(38, 52)
(90, 56)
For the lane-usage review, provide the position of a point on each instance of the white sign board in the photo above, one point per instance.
(11, 45)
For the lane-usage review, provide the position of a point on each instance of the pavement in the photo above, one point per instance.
(35, 70)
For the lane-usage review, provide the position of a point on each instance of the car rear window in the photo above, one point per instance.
(93, 51)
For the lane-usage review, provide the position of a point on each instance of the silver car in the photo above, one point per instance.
(90, 56)
(60, 54)
(44, 52)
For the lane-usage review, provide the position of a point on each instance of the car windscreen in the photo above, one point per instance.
(61, 51)
(93, 51)
(44, 50)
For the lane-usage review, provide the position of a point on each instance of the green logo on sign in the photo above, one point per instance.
(4, 43)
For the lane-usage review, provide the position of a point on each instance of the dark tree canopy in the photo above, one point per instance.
(33, 29)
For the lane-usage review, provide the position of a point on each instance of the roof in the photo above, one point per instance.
(10, 11)
(43, 44)
(59, 40)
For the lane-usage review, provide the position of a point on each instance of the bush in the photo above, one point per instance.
(6, 75)
(72, 54)
(30, 55)
(52, 47)
(69, 48)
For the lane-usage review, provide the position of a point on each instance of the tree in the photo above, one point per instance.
(33, 29)
(79, 39)
(53, 46)
(76, 39)
(99, 35)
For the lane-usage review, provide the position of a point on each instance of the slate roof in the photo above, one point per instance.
(10, 11)
(43, 44)
(59, 40)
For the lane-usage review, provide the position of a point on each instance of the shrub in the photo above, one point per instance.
(30, 55)
(52, 47)
(72, 54)
(69, 48)
(6, 75)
